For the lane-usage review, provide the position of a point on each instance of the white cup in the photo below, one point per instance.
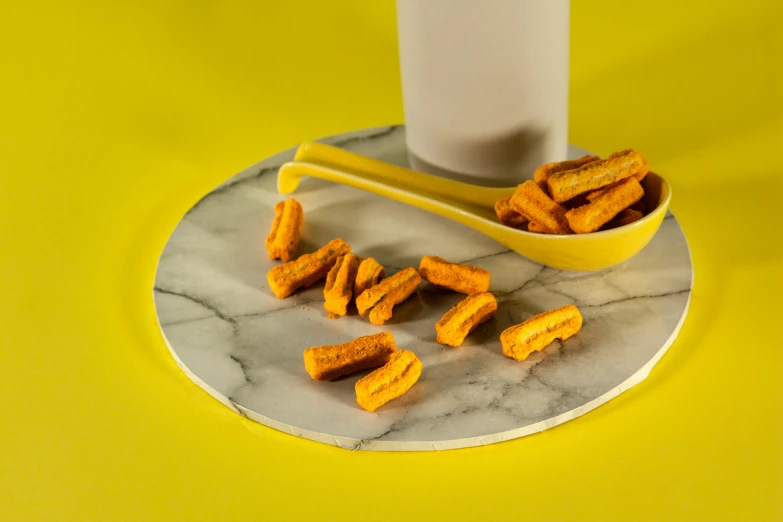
(485, 86)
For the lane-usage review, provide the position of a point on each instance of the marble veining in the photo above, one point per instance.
(230, 334)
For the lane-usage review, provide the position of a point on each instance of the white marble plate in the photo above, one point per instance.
(231, 335)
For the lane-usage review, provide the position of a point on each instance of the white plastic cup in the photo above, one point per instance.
(485, 86)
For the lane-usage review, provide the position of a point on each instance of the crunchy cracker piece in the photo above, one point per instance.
(379, 300)
(591, 217)
(592, 196)
(539, 331)
(339, 284)
(305, 271)
(593, 176)
(538, 228)
(370, 272)
(507, 215)
(625, 217)
(388, 382)
(639, 206)
(465, 279)
(464, 317)
(286, 227)
(330, 362)
(640, 175)
(530, 201)
(542, 173)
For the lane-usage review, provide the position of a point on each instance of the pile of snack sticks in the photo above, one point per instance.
(352, 278)
(579, 196)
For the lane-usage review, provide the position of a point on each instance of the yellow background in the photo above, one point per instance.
(117, 116)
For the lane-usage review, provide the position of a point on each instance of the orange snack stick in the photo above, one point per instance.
(593, 176)
(464, 317)
(591, 196)
(530, 201)
(330, 362)
(370, 272)
(539, 331)
(542, 173)
(591, 217)
(388, 382)
(465, 279)
(379, 300)
(639, 175)
(639, 206)
(305, 271)
(282, 241)
(507, 215)
(339, 284)
(532, 226)
(625, 217)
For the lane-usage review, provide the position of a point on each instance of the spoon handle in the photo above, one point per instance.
(476, 217)
(433, 186)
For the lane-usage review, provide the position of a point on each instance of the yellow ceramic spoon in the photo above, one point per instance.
(472, 205)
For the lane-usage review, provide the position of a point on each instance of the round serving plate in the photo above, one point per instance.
(233, 338)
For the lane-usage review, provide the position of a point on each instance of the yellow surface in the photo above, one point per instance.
(117, 116)
(472, 206)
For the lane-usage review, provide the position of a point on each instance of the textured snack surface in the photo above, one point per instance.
(530, 201)
(388, 382)
(465, 279)
(507, 215)
(329, 362)
(378, 301)
(589, 218)
(537, 228)
(544, 172)
(593, 176)
(625, 217)
(639, 174)
(339, 284)
(369, 274)
(539, 331)
(592, 196)
(464, 317)
(305, 271)
(282, 241)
